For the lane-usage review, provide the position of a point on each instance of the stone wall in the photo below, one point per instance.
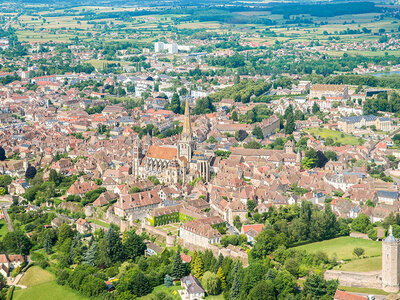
(356, 279)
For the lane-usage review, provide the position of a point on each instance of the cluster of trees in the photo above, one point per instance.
(293, 224)
(382, 103)
(41, 191)
(316, 159)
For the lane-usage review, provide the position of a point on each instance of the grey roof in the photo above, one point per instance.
(356, 119)
(193, 286)
(390, 239)
(388, 194)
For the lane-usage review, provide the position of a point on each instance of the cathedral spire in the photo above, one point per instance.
(187, 128)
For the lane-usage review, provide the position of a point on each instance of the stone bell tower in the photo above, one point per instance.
(390, 263)
(186, 145)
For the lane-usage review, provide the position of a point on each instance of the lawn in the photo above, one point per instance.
(173, 228)
(362, 265)
(98, 222)
(337, 136)
(342, 247)
(48, 291)
(41, 285)
(3, 228)
(362, 290)
(36, 275)
(173, 291)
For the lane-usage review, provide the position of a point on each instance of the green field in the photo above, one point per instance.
(173, 291)
(362, 265)
(98, 222)
(41, 285)
(36, 275)
(362, 290)
(342, 247)
(337, 136)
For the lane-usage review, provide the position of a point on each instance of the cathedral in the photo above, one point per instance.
(171, 163)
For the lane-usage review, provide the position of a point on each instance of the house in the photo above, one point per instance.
(192, 288)
(201, 232)
(251, 231)
(342, 295)
(387, 197)
(80, 188)
(83, 226)
(10, 262)
(153, 249)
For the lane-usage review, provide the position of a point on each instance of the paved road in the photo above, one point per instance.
(7, 218)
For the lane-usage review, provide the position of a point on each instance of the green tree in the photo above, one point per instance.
(178, 269)
(89, 257)
(315, 108)
(361, 224)
(263, 290)
(175, 105)
(2, 154)
(211, 283)
(257, 132)
(234, 116)
(290, 125)
(222, 279)
(358, 251)
(236, 281)
(198, 268)
(30, 172)
(251, 205)
(17, 242)
(134, 245)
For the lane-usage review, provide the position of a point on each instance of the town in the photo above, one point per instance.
(149, 151)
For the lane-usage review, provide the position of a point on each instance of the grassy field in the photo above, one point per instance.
(98, 222)
(173, 228)
(36, 275)
(3, 228)
(362, 290)
(173, 291)
(337, 136)
(48, 291)
(342, 247)
(41, 285)
(362, 265)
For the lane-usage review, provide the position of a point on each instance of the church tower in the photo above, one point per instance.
(186, 145)
(137, 156)
(390, 263)
(298, 156)
(290, 147)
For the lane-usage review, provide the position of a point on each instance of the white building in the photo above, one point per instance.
(158, 47)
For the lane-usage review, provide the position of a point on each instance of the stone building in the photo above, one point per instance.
(390, 263)
(349, 124)
(172, 163)
(329, 92)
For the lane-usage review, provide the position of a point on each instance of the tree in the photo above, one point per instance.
(234, 116)
(134, 245)
(251, 205)
(263, 290)
(2, 154)
(168, 280)
(139, 285)
(64, 233)
(290, 125)
(331, 155)
(241, 135)
(211, 283)
(358, 251)
(178, 269)
(237, 223)
(89, 257)
(198, 268)
(315, 108)
(47, 243)
(257, 132)
(175, 105)
(30, 172)
(222, 279)
(17, 242)
(316, 286)
(361, 224)
(236, 281)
